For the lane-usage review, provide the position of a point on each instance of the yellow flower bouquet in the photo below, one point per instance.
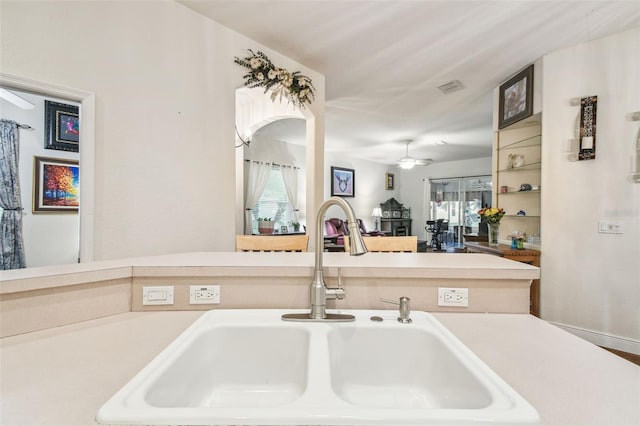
(491, 215)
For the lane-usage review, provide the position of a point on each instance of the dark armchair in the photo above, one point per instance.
(335, 229)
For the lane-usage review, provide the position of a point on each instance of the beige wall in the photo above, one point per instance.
(27, 311)
(42, 308)
(591, 281)
(164, 81)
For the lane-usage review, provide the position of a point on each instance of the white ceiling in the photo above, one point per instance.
(383, 61)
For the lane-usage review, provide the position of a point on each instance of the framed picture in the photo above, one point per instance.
(516, 98)
(56, 185)
(343, 182)
(284, 229)
(389, 181)
(61, 126)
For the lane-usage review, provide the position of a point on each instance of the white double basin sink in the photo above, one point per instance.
(248, 367)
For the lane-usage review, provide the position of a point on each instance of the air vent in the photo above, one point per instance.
(450, 87)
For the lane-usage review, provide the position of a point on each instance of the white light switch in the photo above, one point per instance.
(608, 227)
(157, 295)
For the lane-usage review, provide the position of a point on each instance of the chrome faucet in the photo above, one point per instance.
(320, 293)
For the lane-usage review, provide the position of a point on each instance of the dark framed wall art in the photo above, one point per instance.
(516, 98)
(389, 177)
(62, 126)
(343, 182)
(56, 185)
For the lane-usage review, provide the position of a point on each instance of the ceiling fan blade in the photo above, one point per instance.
(424, 162)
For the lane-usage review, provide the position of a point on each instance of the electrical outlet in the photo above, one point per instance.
(157, 295)
(204, 294)
(453, 297)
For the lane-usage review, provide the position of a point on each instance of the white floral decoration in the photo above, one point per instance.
(297, 88)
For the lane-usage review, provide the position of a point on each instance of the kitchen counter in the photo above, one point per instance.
(39, 298)
(61, 376)
(409, 265)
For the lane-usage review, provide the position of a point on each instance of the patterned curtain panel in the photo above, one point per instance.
(11, 245)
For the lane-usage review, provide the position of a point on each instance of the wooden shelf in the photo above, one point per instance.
(519, 192)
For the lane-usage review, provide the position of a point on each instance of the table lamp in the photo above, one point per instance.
(377, 212)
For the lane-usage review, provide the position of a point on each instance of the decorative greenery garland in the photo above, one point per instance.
(297, 88)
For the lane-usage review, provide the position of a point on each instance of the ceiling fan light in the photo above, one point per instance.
(407, 163)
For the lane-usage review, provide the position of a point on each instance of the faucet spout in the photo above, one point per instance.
(319, 291)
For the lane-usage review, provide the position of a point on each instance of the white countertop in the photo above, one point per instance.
(380, 265)
(61, 376)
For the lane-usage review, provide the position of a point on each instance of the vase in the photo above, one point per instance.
(265, 226)
(494, 231)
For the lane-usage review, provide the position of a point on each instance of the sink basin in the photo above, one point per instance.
(249, 367)
(406, 368)
(253, 367)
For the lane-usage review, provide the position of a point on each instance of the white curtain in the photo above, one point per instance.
(290, 178)
(257, 177)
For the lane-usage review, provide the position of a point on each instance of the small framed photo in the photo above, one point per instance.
(284, 229)
(389, 180)
(61, 126)
(343, 182)
(516, 98)
(56, 185)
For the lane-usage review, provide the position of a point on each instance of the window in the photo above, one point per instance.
(273, 202)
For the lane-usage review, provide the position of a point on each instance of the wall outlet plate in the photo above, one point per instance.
(453, 297)
(157, 295)
(204, 294)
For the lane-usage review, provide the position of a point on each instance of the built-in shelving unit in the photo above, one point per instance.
(518, 161)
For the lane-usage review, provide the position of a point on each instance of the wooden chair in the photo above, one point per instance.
(297, 243)
(388, 244)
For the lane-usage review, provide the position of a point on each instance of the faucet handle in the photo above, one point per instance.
(405, 309)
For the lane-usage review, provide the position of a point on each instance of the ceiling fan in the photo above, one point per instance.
(408, 162)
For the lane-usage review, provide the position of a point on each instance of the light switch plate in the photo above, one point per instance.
(609, 227)
(157, 295)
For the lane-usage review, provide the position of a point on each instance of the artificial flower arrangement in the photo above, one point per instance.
(294, 86)
(491, 215)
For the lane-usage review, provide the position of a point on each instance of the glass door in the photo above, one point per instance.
(457, 201)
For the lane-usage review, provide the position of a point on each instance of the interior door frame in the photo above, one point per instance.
(87, 103)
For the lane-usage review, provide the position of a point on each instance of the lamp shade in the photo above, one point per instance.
(377, 212)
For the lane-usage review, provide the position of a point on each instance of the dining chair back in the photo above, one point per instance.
(291, 243)
(408, 244)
